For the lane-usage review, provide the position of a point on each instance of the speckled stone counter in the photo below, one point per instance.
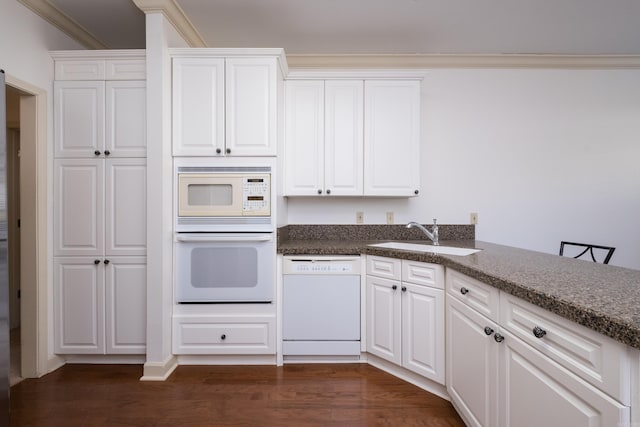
(601, 297)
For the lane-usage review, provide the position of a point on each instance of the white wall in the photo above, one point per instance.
(543, 155)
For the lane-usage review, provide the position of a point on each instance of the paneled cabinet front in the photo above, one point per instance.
(99, 305)
(324, 138)
(97, 119)
(405, 321)
(225, 106)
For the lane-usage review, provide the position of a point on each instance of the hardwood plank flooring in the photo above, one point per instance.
(292, 395)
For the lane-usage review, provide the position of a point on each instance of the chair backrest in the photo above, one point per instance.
(588, 248)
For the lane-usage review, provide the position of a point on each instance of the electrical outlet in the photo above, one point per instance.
(389, 217)
(359, 217)
(473, 218)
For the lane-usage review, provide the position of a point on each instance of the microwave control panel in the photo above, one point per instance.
(255, 194)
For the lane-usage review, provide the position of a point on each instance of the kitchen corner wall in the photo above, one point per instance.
(543, 155)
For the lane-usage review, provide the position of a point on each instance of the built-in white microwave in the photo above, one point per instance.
(223, 198)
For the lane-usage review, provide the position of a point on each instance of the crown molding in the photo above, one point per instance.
(176, 16)
(426, 61)
(64, 23)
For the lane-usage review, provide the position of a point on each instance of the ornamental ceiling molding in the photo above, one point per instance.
(176, 16)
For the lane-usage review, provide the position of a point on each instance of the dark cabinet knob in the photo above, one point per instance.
(107, 152)
(223, 337)
(319, 191)
(464, 291)
(218, 151)
(416, 191)
(228, 150)
(106, 261)
(96, 261)
(498, 338)
(328, 191)
(488, 330)
(97, 152)
(538, 332)
(404, 289)
(394, 287)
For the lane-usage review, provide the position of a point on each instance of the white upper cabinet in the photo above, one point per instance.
(323, 137)
(352, 137)
(392, 137)
(198, 106)
(126, 119)
(225, 106)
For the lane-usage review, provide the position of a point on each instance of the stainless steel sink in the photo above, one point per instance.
(418, 247)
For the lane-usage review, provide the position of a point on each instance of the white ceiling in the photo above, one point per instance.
(581, 27)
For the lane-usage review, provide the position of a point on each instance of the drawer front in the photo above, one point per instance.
(422, 273)
(80, 70)
(387, 268)
(126, 69)
(477, 295)
(599, 360)
(230, 335)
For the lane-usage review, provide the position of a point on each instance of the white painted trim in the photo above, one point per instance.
(233, 359)
(357, 74)
(58, 55)
(34, 247)
(426, 61)
(159, 371)
(50, 13)
(176, 16)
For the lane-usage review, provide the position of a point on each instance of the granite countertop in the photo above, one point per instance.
(601, 297)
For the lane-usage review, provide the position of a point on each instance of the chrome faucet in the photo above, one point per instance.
(432, 235)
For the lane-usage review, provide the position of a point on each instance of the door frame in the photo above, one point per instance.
(35, 314)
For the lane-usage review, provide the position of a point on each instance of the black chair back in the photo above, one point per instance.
(588, 248)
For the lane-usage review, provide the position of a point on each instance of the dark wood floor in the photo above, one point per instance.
(293, 395)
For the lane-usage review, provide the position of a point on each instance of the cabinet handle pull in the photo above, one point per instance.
(404, 289)
(464, 290)
(488, 330)
(228, 150)
(97, 152)
(96, 261)
(498, 338)
(538, 332)
(416, 191)
(319, 191)
(394, 287)
(223, 337)
(328, 191)
(107, 152)
(106, 261)
(218, 151)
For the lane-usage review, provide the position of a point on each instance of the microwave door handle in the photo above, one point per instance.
(223, 238)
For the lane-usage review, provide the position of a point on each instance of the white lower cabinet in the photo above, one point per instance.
(100, 305)
(224, 334)
(405, 321)
(495, 378)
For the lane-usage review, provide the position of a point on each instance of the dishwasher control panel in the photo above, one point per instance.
(321, 265)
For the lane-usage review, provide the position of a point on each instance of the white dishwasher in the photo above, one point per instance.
(321, 306)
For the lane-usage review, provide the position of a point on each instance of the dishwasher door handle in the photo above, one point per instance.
(186, 238)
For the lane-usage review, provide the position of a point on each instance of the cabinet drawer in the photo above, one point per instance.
(477, 295)
(422, 273)
(81, 69)
(597, 359)
(387, 268)
(126, 69)
(224, 335)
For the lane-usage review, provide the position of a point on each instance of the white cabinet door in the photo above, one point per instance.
(78, 305)
(126, 207)
(384, 322)
(79, 118)
(536, 391)
(304, 137)
(391, 137)
(251, 106)
(126, 119)
(125, 305)
(472, 364)
(423, 331)
(79, 207)
(198, 106)
(343, 148)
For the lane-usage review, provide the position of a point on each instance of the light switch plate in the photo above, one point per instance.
(473, 218)
(389, 217)
(359, 217)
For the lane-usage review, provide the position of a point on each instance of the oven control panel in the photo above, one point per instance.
(255, 193)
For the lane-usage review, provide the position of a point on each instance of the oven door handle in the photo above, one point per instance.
(224, 237)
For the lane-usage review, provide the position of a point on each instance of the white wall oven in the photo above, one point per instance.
(225, 245)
